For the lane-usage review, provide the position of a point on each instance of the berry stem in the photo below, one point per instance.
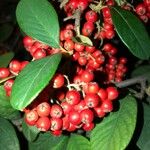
(5, 79)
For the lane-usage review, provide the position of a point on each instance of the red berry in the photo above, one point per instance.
(140, 9)
(8, 84)
(43, 124)
(39, 53)
(56, 124)
(102, 94)
(28, 41)
(79, 47)
(107, 106)
(87, 116)
(58, 81)
(92, 87)
(43, 109)
(91, 100)
(112, 93)
(74, 117)
(31, 117)
(56, 111)
(88, 126)
(66, 107)
(56, 133)
(15, 66)
(73, 97)
(91, 16)
(24, 64)
(87, 76)
(99, 112)
(69, 45)
(4, 73)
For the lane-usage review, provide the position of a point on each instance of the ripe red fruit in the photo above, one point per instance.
(92, 87)
(99, 112)
(66, 123)
(82, 60)
(90, 49)
(43, 109)
(74, 117)
(73, 97)
(112, 93)
(81, 106)
(23, 64)
(31, 117)
(140, 9)
(66, 107)
(82, 4)
(39, 53)
(67, 34)
(91, 16)
(57, 132)
(107, 106)
(88, 126)
(58, 81)
(4, 73)
(56, 111)
(88, 28)
(28, 41)
(8, 84)
(56, 124)
(15, 66)
(87, 116)
(102, 94)
(79, 47)
(69, 45)
(91, 100)
(71, 128)
(43, 124)
(106, 12)
(87, 76)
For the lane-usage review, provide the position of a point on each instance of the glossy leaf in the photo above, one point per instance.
(132, 32)
(144, 139)
(78, 142)
(116, 130)
(6, 110)
(5, 59)
(141, 70)
(8, 137)
(38, 19)
(47, 141)
(32, 80)
(30, 132)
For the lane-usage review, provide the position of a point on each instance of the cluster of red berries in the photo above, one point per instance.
(143, 10)
(7, 74)
(76, 104)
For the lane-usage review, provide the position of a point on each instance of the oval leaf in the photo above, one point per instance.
(78, 142)
(32, 80)
(132, 32)
(144, 138)
(8, 137)
(47, 141)
(5, 59)
(6, 109)
(38, 19)
(116, 130)
(30, 132)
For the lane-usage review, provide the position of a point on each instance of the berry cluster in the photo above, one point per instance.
(74, 98)
(143, 10)
(76, 104)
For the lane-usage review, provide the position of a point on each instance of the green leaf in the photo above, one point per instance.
(144, 139)
(116, 130)
(132, 32)
(141, 70)
(78, 142)
(38, 19)
(81, 39)
(8, 137)
(30, 132)
(47, 141)
(5, 31)
(5, 59)
(32, 80)
(6, 110)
